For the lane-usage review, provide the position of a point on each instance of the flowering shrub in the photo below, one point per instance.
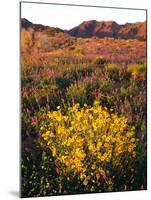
(89, 143)
(137, 70)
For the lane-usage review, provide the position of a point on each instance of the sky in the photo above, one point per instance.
(67, 17)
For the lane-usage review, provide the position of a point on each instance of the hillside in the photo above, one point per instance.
(40, 38)
(103, 29)
(26, 24)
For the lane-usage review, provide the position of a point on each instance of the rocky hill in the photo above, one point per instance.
(26, 24)
(103, 29)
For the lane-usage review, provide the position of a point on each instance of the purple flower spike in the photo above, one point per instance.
(142, 138)
(104, 177)
(72, 101)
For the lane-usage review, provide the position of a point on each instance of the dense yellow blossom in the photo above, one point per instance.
(84, 140)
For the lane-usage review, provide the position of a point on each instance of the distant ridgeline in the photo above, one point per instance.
(95, 28)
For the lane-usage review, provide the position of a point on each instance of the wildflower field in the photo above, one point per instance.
(83, 114)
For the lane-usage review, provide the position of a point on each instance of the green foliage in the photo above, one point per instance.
(78, 93)
(79, 50)
(137, 69)
(38, 173)
(113, 71)
(99, 61)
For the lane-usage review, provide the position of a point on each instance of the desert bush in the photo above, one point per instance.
(125, 76)
(63, 82)
(90, 143)
(78, 72)
(113, 71)
(82, 91)
(99, 61)
(79, 50)
(137, 70)
(77, 92)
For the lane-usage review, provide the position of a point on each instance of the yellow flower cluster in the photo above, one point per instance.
(84, 140)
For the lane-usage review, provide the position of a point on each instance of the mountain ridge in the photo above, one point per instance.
(26, 24)
(94, 28)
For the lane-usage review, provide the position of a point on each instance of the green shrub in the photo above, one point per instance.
(137, 69)
(63, 82)
(78, 92)
(79, 50)
(99, 61)
(81, 91)
(113, 71)
(38, 173)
